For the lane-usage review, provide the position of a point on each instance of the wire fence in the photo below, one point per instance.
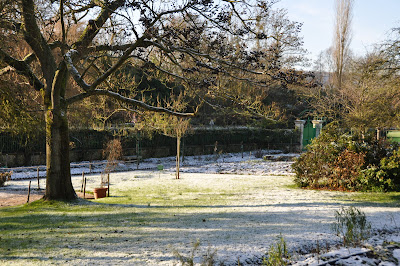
(36, 172)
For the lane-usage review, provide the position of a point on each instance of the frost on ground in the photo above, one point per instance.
(235, 206)
(237, 163)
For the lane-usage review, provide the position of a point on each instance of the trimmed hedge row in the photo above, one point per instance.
(92, 139)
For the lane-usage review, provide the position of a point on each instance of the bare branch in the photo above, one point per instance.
(126, 100)
(121, 60)
(94, 26)
(62, 26)
(74, 72)
(6, 70)
(23, 68)
(80, 10)
(36, 41)
(113, 48)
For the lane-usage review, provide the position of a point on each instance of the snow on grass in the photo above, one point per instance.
(217, 163)
(150, 215)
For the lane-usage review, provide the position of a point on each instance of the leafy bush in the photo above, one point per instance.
(352, 225)
(340, 161)
(385, 177)
(348, 167)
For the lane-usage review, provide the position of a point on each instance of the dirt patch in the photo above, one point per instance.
(18, 197)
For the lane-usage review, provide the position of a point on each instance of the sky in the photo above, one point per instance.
(372, 22)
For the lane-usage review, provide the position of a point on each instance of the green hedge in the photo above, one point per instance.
(93, 139)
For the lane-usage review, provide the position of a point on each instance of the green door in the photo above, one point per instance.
(308, 133)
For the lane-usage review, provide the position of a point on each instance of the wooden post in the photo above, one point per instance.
(108, 184)
(137, 149)
(29, 191)
(178, 148)
(84, 188)
(83, 180)
(90, 168)
(38, 182)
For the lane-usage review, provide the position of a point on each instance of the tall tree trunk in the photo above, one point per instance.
(58, 182)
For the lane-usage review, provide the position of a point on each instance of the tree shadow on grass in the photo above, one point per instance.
(136, 233)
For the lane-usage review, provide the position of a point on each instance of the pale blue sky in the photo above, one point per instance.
(372, 21)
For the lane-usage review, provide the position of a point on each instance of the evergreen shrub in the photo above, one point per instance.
(339, 161)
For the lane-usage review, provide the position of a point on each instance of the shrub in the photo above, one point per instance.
(113, 152)
(347, 168)
(4, 177)
(342, 162)
(321, 166)
(352, 225)
(385, 177)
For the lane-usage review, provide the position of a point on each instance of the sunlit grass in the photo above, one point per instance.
(390, 199)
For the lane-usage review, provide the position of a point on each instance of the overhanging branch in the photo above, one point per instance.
(22, 68)
(126, 100)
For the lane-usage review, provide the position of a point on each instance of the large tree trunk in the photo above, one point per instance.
(58, 179)
(58, 182)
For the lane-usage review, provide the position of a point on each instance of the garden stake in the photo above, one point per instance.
(29, 191)
(38, 183)
(108, 184)
(83, 180)
(84, 188)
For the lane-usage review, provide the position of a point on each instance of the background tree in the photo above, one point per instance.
(341, 39)
(167, 125)
(372, 96)
(369, 96)
(328, 96)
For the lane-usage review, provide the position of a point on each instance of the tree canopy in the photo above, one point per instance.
(70, 51)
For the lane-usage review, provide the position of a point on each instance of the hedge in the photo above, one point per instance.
(93, 139)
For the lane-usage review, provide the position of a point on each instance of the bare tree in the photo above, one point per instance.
(341, 39)
(109, 33)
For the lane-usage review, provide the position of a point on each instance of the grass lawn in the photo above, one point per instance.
(147, 217)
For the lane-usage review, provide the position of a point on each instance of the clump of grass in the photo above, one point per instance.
(207, 259)
(278, 254)
(351, 224)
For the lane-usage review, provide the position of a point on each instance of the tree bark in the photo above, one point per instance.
(58, 178)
